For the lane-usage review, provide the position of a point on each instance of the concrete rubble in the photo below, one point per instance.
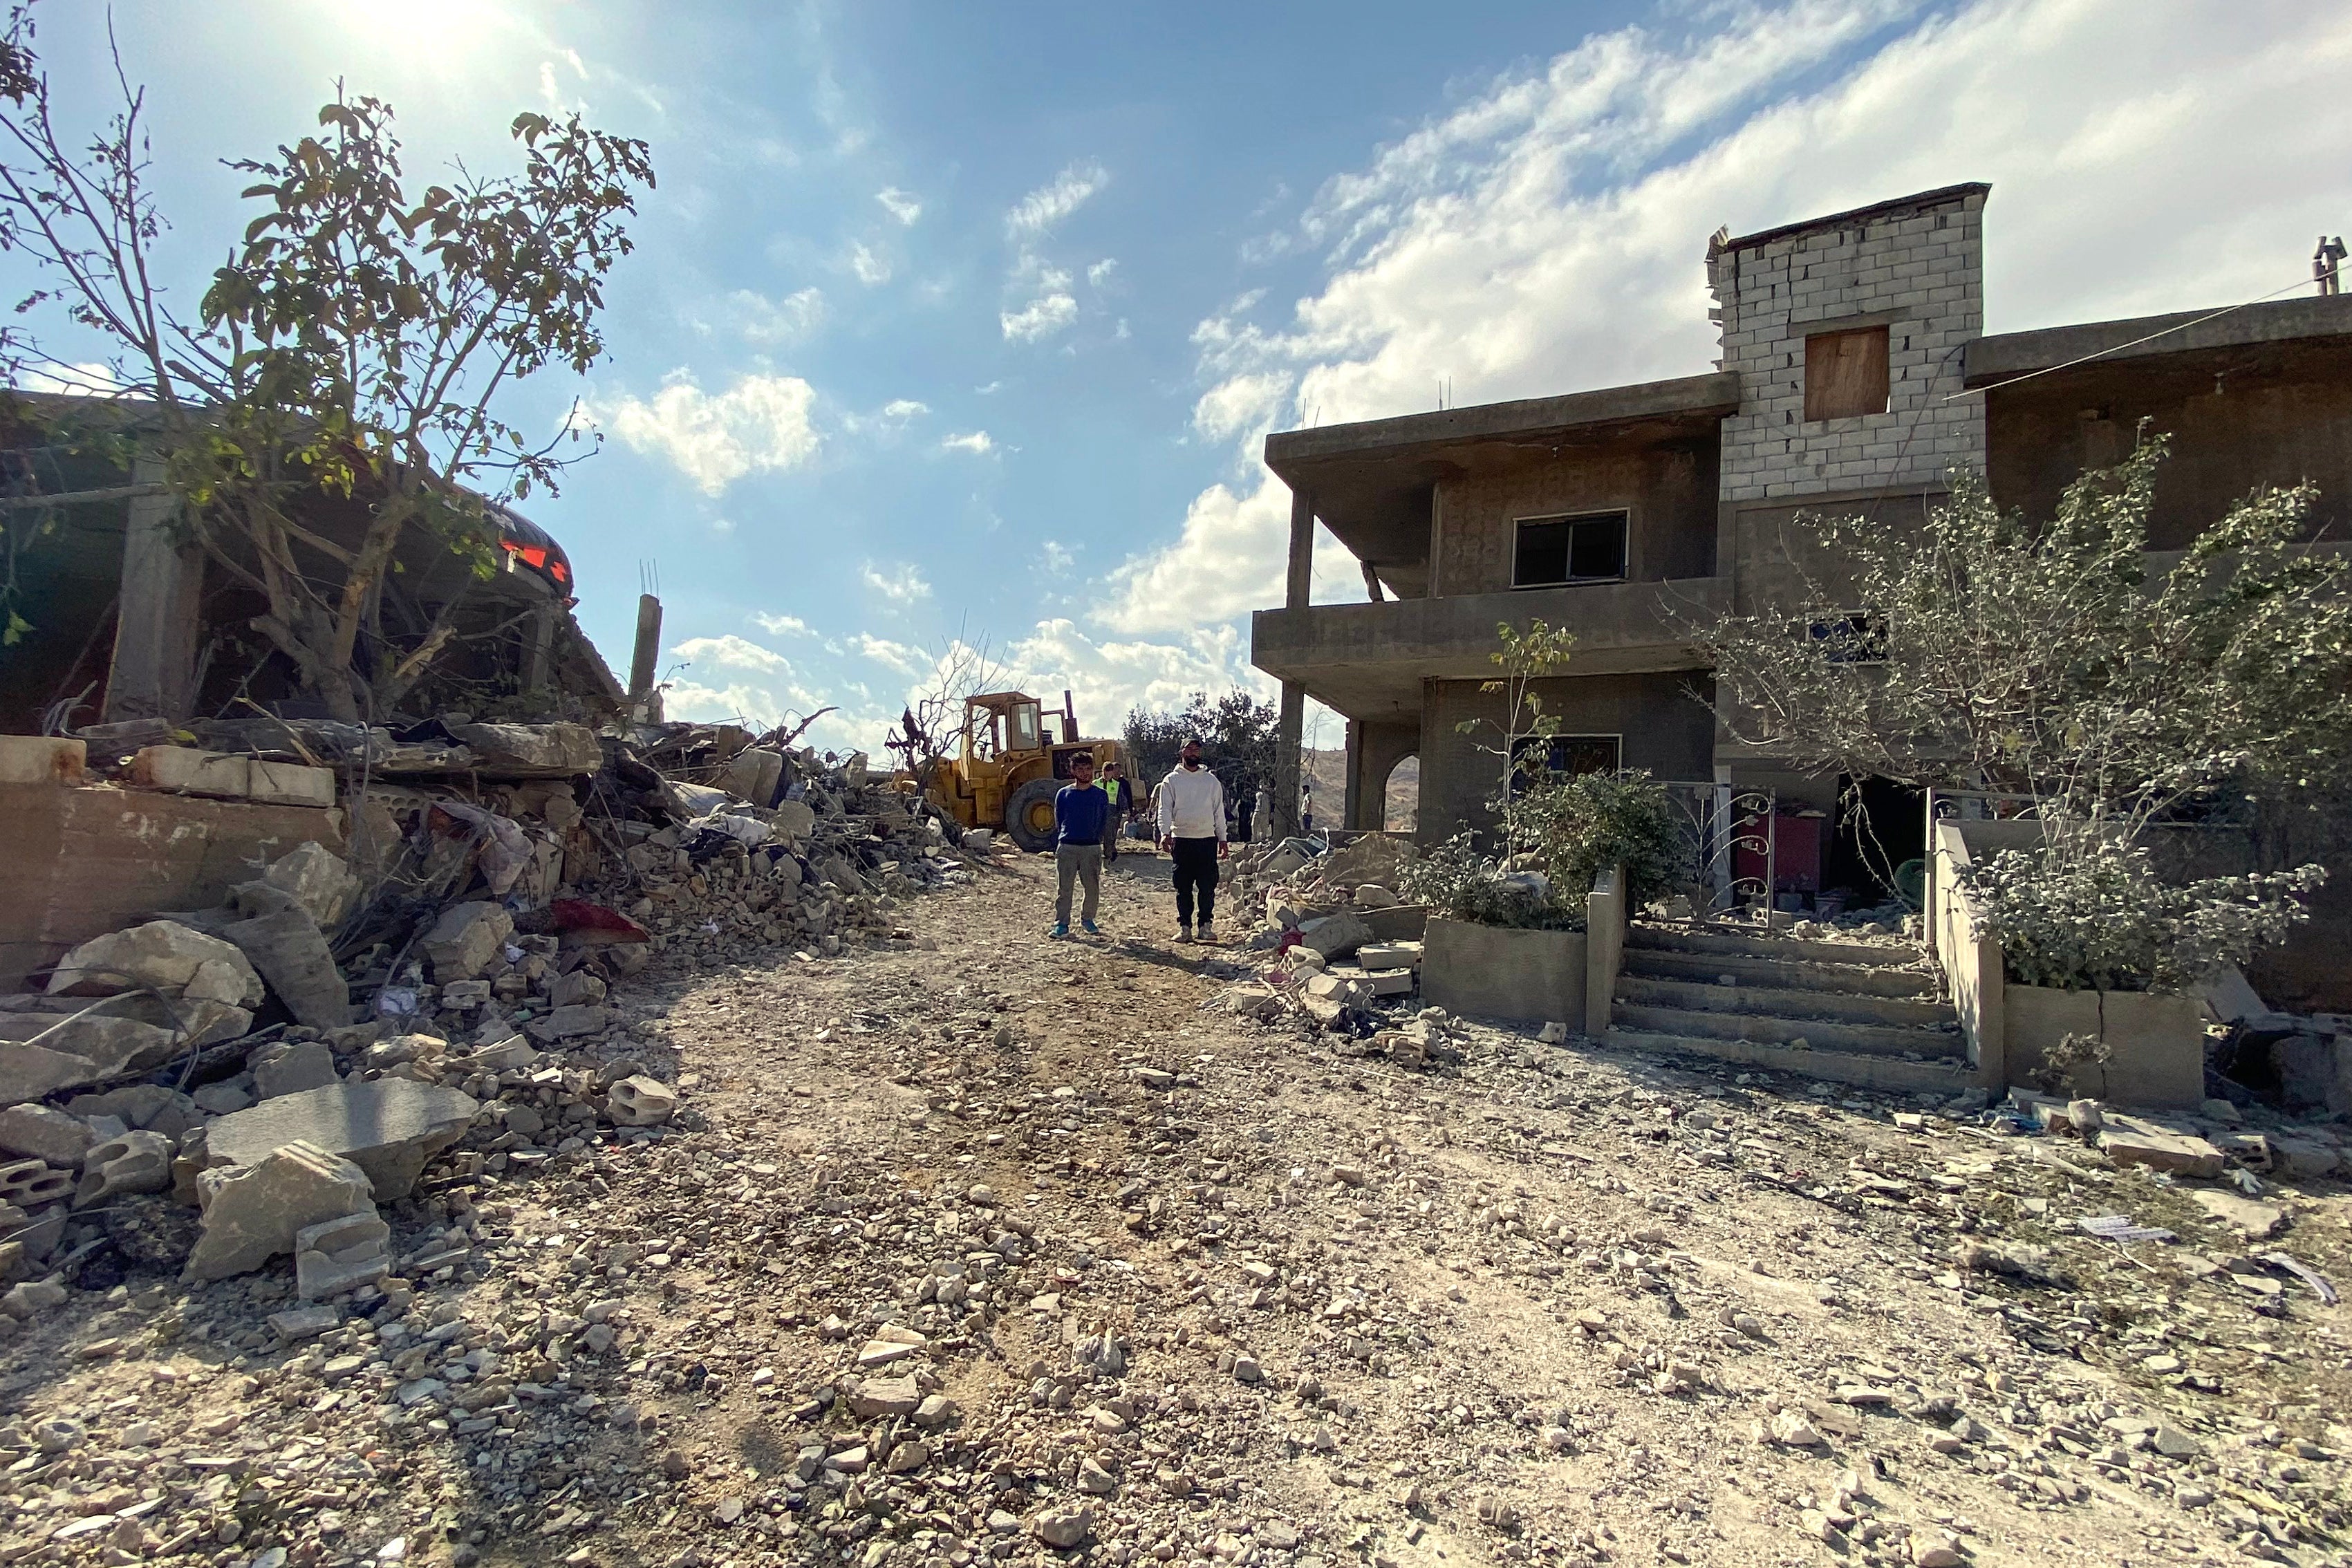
(448, 985)
(978, 1248)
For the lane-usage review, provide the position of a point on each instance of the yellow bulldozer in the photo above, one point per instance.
(1006, 769)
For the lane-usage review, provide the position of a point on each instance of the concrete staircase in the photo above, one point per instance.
(1849, 1012)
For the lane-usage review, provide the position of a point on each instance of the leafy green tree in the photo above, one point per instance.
(1520, 740)
(2112, 692)
(1239, 734)
(349, 355)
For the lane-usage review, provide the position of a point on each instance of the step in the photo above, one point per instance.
(1699, 939)
(1821, 1034)
(1852, 979)
(1706, 996)
(1892, 1074)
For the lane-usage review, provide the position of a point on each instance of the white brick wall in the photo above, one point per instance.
(1922, 271)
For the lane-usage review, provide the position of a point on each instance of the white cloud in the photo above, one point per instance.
(873, 270)
(1547, 235)
(990, 390)
(758, 424)
(1059, 557)
(731, 652)
(84, 378)
(903, 583)
(764, 321)
(1101, 271)
(1243, 404)
(1040, 318)
(1049, 204)
(898, 204)
(782, 626)
(896, 656)
(900, 409)
(978, 443)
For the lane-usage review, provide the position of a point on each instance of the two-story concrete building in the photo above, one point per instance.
(1855, 373)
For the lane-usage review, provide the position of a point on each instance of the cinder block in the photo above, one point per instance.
(189, 771)
(40, 759)
(291, 783)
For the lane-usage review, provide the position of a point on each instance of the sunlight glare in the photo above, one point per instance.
(443, 29)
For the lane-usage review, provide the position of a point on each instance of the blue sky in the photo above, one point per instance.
(967, 319)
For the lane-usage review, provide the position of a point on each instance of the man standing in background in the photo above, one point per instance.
(1114, 788)
(1192, 832)
(1080, 816)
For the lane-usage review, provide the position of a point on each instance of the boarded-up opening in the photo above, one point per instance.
(1846, 374)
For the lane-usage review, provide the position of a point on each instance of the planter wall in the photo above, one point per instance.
(1529, 976)
(2158, 1042)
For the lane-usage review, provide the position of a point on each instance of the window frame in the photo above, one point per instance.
(1556, 745)
(1820, 384)
(1624, 520)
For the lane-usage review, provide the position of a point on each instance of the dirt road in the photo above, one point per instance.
(997, 1247)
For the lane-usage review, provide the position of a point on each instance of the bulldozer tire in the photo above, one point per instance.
(1029, 814)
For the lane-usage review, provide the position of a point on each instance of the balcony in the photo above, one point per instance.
(1369, 659)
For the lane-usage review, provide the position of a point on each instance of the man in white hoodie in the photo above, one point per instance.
(1192, 831)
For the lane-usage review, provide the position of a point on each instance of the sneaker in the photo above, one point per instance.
(1184, 934)
(1090, 928)
(1207, 933)
(1062, 930)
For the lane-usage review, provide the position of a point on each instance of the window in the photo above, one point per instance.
(1854, 639)
(1846, 374)
(1574, 756)
(1556, 551)
(1021, 728)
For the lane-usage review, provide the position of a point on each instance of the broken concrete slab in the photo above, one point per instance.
(292, 954)
(529, 751)
(291, 1066)
(339, 1255)
(570, 1023)
(253, 1213)
(108, 1043)
(134, 1163)
(465, 939)
(2134, 1141)
(2257, 1221)
(389, 1128)
(41, 1132)
(147, 1105)
(30, 1072)
(1335, 936)
(172, 958)
(318, 880)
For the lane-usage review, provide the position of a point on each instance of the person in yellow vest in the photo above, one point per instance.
(1114, 784)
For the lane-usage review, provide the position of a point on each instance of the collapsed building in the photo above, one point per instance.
(1854, 376)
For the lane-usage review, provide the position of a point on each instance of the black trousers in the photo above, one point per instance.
(1196, 870)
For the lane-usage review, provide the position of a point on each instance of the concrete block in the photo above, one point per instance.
(40, 760)
(388, 1128)
(253, 1213)
(187, 771)
(291, 783)
(339, 1255)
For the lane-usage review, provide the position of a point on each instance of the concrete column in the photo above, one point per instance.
(539, 649)
(645, 658)
(1351, 808)
(1290, 732)
(1302, 551)
(155, 627)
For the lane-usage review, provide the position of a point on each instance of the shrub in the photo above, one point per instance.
(1577, 828)
(1458, 882)
(2094, 915)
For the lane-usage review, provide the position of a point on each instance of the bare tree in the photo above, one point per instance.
(931, 723)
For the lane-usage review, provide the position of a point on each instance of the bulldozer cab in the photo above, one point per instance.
(1002, 725)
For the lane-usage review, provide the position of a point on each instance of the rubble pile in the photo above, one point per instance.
(1340, 959)
(216, 1091)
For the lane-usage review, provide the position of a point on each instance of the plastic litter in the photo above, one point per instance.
(2123, 1227)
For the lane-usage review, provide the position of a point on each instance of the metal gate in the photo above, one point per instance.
(1718, 821)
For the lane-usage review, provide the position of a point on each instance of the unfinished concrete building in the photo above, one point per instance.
(1627, 513)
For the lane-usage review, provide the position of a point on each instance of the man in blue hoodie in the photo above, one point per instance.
(1081, 814)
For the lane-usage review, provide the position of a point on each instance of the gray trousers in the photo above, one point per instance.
(1078, 862)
